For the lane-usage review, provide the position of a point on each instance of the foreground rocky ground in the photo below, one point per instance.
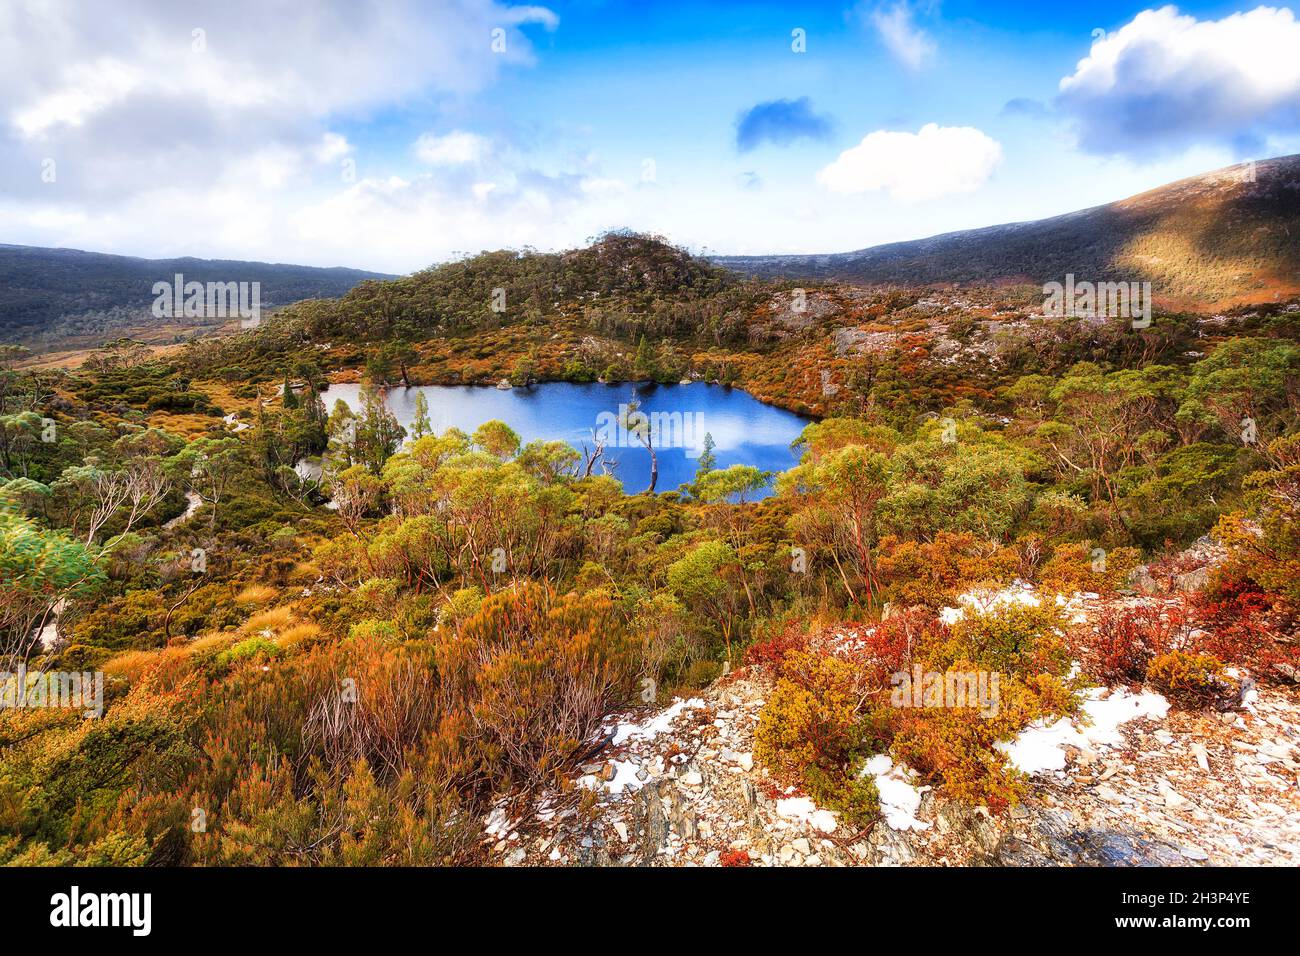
(681, 789)
(1138, 784)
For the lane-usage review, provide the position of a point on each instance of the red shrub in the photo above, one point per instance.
(772, 652)
(1124, 642)
(735, 858)
(1242, 624)
(887, 648)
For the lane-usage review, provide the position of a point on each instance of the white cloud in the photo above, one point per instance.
(85, 91)
(410, 223)
(237, 124)
(332, 146)
(452, 149)
(603, 186)
(912, 167)
(1166, 81)
(898, 30)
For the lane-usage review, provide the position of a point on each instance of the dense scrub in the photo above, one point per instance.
(291, 683)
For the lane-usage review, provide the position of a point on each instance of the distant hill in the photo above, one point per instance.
(52, 296)
(1228, 236)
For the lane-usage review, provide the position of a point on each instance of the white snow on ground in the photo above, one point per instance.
(1074, 605)
(899, 799)
(656, 725)
(805, 811)
(1018, 592)
(625, 771)
(624, 777)
(1040, 747)
(982, 601)
(796, 808)
(497, 823)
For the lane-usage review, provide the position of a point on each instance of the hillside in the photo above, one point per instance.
(51, 297)
(1064, 516)
(1207, 241)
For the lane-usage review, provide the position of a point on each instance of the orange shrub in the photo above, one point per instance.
(1190, 680)
(1079, 567)
(934, 573)
(534, 673)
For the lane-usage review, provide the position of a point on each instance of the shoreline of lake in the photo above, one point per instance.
(743, 429)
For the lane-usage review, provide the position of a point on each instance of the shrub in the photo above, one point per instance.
(1190, 680)
(816, 730)
(1123, 643)
(954, 748)
(373, 629)
(855, 796)
(887, 648)
(1014, 640)
(533, 673)
(1242, 623)
(932, 574)
(376, 704)
(772, 651)
(1075, 567)
(254, 647)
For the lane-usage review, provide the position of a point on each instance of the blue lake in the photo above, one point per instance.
(744, 430)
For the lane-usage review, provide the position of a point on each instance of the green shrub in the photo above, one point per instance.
(254, 647)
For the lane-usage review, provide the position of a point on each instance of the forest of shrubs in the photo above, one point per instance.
(294, 684)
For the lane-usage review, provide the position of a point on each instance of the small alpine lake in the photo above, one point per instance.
(744, 430)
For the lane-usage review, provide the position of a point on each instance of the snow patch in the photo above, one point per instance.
(1041, 747)
(982, 602)
(656, 725)
(624, 778)
(899, 799)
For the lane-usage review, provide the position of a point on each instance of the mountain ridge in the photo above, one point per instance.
(1222, 237)
(51, 294)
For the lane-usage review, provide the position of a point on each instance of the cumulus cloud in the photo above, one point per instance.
(780, 122)
(226, 117)
(898, 30)
(410, 222)
(1167, 81)
(912, 167)
(451, 149)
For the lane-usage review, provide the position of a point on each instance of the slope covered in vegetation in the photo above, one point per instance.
(49, 297)
(288, 683)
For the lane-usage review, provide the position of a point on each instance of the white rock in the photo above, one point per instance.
(1202, 758)
(1172, 797)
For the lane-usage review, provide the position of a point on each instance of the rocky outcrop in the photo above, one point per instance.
(1129, 783)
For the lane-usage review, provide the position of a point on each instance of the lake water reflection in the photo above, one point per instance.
(744, 430)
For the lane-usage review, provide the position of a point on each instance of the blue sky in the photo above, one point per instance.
(391, 134)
